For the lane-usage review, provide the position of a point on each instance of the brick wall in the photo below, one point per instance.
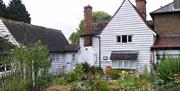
(167, 24)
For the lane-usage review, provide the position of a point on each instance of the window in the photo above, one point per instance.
(129, 38)
(124, 39)
(118, 38)
(73, 57)
(114, 64)
(55, 57)
(124, 64)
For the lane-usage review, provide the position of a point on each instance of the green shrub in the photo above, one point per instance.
(168, 87)
(93, 69)
(147, 75)
(70, 77)
(17, 85)
(114, 74)
(167, 68)
(103, 86)
(59, 81)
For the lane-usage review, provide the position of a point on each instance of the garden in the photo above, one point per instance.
(30, 72)
(90, 78)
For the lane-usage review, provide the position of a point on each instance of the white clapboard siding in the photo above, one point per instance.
(95, 45)
(57, 64)
(64, 59)
(70, 61)
(96, 48)
(81, 42)
(127, 22)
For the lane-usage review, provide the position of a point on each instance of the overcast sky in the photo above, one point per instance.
(65, 15)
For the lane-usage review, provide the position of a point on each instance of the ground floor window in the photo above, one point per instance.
(55, 57)
(161, 57)
(124, 64)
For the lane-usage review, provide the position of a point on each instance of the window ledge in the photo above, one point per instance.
(124, 43)
(124, 68)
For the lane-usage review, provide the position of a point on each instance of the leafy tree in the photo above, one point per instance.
(96, 16)
(5, 47)
(2, 9)
(31, 68)
(17, 11)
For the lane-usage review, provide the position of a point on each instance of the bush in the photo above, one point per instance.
(168, 87)
(70, 77)
(114, 74)
(103, 86)
(167, 68)
(147, 75)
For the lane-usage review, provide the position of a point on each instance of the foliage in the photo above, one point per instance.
(102, 85)
(131, 82)
(147, 75)
(83, 77)
(70, 77)
(5, 47)
(17, 11)
(96, 16)
(168, 87)
(88, 68)
(168, 68)
(30, 64)
(17, 84)
(114, 75)
(100, 15)
(2, 9)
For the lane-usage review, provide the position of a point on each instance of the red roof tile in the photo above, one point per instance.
(167, 42)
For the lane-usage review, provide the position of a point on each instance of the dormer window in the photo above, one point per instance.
(124, 39)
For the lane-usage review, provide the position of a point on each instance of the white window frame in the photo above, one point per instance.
(123, 62)
(122, 39)
(54, 57)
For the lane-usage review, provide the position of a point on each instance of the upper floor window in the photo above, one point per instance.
(124, 38)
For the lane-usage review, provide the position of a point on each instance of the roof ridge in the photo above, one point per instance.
(162, 7)
(21, 22)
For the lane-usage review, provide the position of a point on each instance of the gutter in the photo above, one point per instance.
(99, 52)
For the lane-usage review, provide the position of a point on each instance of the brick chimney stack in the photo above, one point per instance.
(177, 4)
(88, 31)
(141, 7)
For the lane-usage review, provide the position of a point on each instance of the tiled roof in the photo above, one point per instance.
(99, 26)
(167, 42)
(166, 9)
(29, 34)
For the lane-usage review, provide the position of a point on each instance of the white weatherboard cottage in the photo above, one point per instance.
(125, 42)
(127, 34)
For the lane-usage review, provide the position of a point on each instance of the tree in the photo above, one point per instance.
(17, 11)
(96, 16)
(2, 9)
(5, 47)
(31, 65)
